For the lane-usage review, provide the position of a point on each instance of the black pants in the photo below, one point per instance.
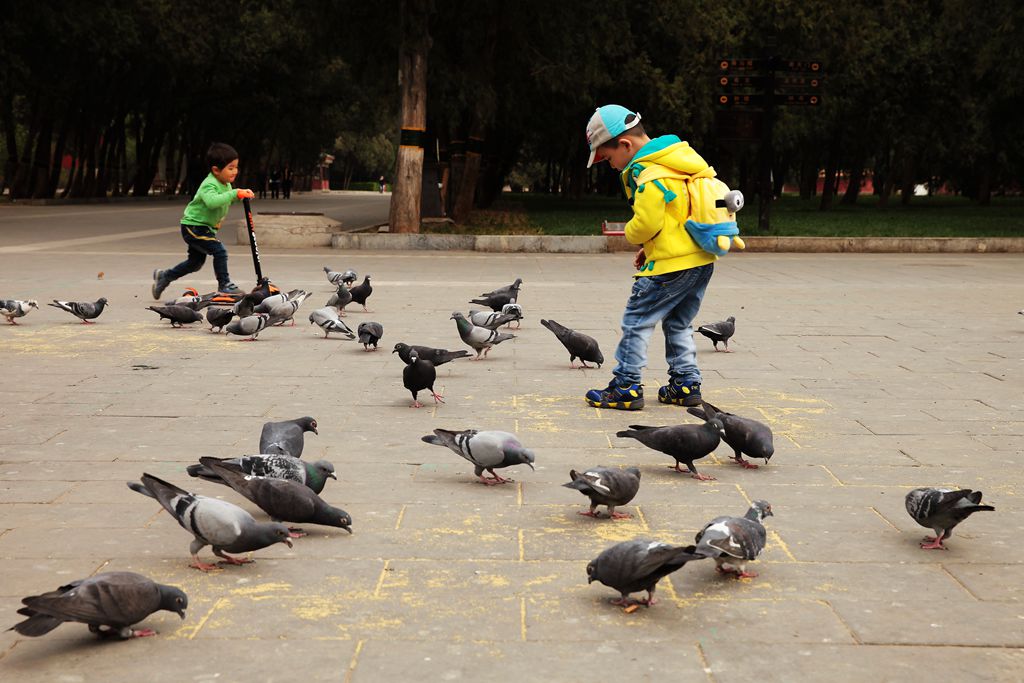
(202, 242)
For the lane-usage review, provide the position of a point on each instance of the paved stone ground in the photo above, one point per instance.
(877, 373)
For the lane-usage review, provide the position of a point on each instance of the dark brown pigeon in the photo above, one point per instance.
(685, 443)
(435, 356)
(942, 510)
(720, 331)
(609, 486)
(743, 434)
(638, 565)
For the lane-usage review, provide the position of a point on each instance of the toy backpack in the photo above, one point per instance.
(707, 209)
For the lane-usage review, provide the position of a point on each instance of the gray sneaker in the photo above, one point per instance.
(229, 288)
(159, 284)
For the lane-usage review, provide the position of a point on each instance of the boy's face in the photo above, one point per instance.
(620, 154)
(226, 174)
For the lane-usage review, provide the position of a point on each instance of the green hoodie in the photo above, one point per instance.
(210, 204)
(667, 245)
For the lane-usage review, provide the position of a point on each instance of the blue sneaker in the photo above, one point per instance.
(629, 397)
(229, 288)
(680, 394)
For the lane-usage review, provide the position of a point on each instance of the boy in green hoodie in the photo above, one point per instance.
(202, 219)
(673, 271)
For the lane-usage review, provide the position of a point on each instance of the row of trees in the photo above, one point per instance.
(916, 90)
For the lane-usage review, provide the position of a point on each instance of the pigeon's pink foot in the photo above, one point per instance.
(620, 515)
(86, 322)
(203, 567)
(234, 560)
(143, 633)
(416, 404)
(746, 464)
(494, 482)
(250, 339)
(936, 544)
(621, 602)
(704, 477)
(746, 575)
(11, 321)
(650, 600)
(295, 533)
(589, 513)
(438, 398)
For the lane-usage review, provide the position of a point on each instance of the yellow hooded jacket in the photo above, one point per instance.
(651, 182)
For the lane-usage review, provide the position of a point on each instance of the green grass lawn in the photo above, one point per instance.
(924, 217)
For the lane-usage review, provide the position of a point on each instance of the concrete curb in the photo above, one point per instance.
(597, 244)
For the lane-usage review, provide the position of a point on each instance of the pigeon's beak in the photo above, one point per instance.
(315, 432)
(346, 527)
(590, 579)
(181, 613)
(531, 466)
(332, 476)
(288, 542)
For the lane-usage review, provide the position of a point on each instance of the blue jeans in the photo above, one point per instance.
(202, 242)
(673, 299)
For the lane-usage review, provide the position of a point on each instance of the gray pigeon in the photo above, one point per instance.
(637, 565)
(609, 486)
(178, 315)
(110, 603)
(340, 299)
(941, 510)
(516, 310)
(333, 276)
(418, 375)
(369, 334)
(283, 500)
(287, 437)
(487, 450)
(285, 311)
(272, 466)
(84, 310)
(743, 434)
(340, 279)
(190, 298)
(15, 308)
(218, 317)
(508, 294)
(735, 541)
(435, 356)
(479, 338)
(685, 443)
(361, 292)
(490, 319)
(213, 522)
(577, 344)
(721, 331)
(249, 325)
(328, 320)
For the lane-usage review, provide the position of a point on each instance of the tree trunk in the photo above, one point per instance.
(984, 176)
(828, 192)
(10, 137)
(39, 178)
(856, 176)
(907, 181)
(808, 173)
(414, 16)
(57, 166)
(20, 184)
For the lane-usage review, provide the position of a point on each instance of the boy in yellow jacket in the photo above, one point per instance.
(673, 271)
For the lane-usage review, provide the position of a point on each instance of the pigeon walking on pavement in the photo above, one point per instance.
(721, 331)
(340, 299)
(369, 334)
(83, 310)
(287, 436)
(15, 308)
(481, 339)
(340, 279)
(637, 565)
(272, 466)
(250, 325)
(941, 510)
(578, 345)
(218, 317)
(487, 450)
(217, 523)
(490, 319)
(361, 292)
(609, 486)
(178, 315)
(735, 541)
(284, 500)
(499, 297)
(110, 603)
(328, 319)
(284, 311)
(743, 434)
(435, 356)
(419, 375)
(685, 442)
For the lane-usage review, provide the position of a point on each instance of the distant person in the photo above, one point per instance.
(286, 183)
(202, 220)
(261, 180)
(381, 183)
(673, 270)
(275, 183)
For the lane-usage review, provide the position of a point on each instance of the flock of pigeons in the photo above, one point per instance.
(288, 489)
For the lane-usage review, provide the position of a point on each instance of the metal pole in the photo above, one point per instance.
(252, 241)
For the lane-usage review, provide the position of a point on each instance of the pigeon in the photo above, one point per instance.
(189, 300)
(340, 279)
(287, 436)
(516, 310)
(419, 374)
(213, 522)
(577, 344)
(734, 541)
(272, 466)
(251, 325)
(285, 311)
(282, 499)
(479, 338)
(685, 443)
(218, 317)
(110, 603)
(328, 320)
(721, 331)
(743, 434)
(15, 308)
(273, 300)
(638, 565)
(499, 297)
(340, 299)
(178, 315)
(369, 334)
(246, 306)
(84, 310)
(487, 450)
(490, 319)
(435, 356)
(941, 510)
(360, 293)
(609, 486)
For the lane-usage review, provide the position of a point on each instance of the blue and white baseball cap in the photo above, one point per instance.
(607, 123)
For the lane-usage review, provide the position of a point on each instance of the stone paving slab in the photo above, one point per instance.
(877, 373)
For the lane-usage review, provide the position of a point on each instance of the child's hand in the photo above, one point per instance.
(639, 259)
(245, 194)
